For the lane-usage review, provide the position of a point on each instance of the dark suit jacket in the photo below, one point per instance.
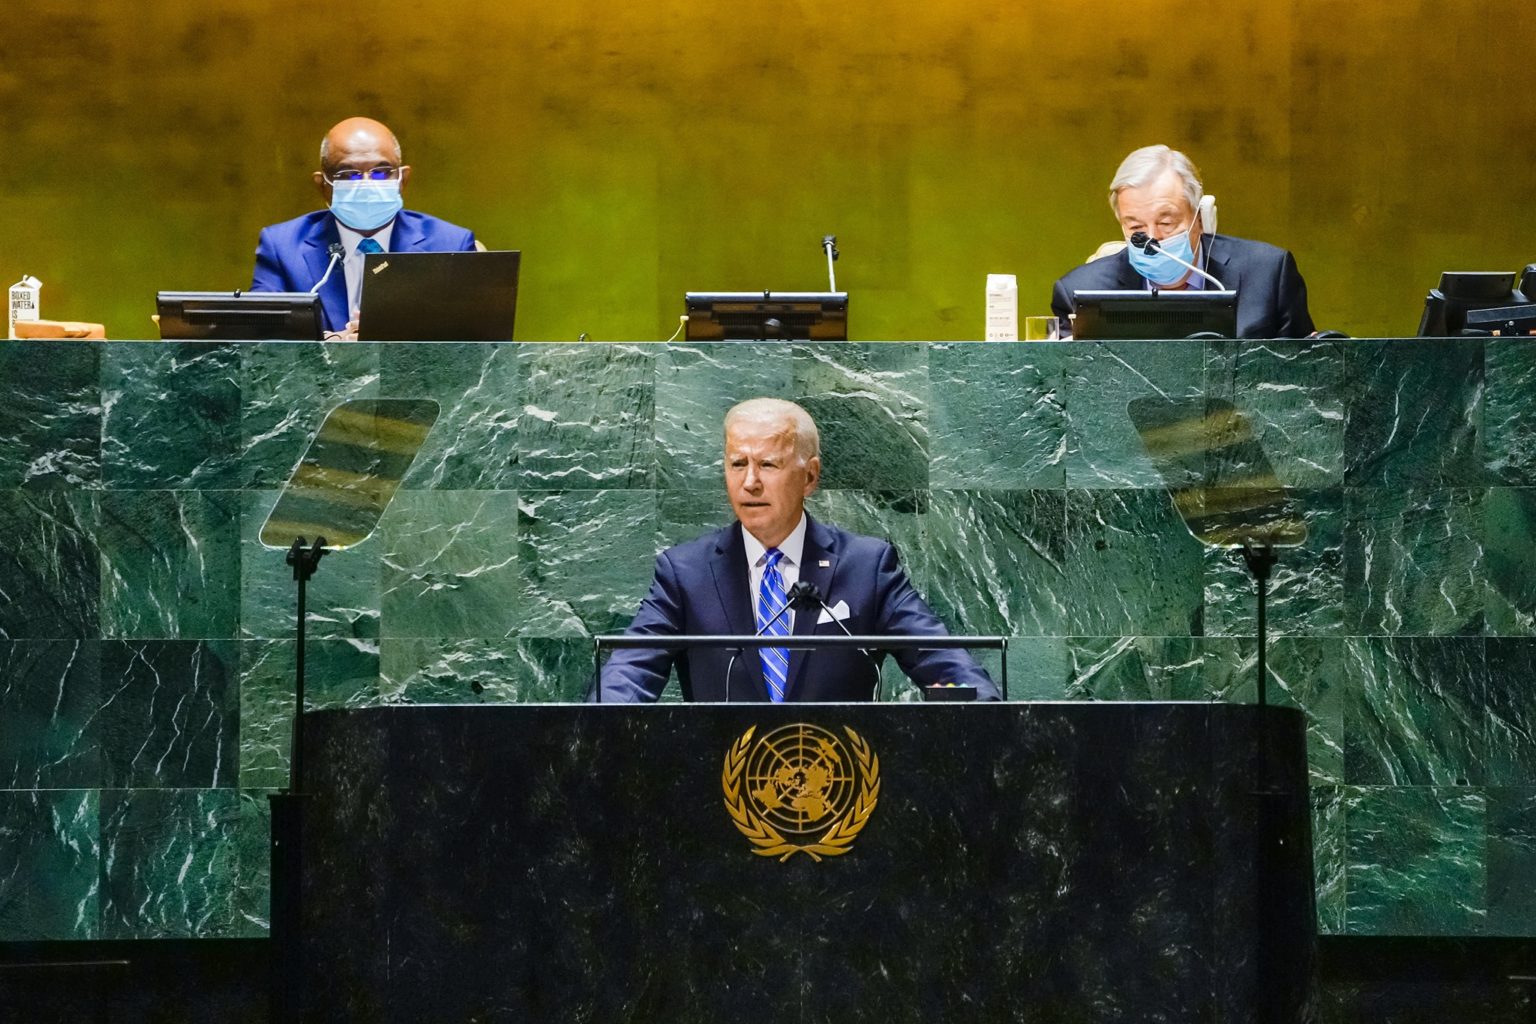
(292, 256)
(1271, 296)
(703, 587)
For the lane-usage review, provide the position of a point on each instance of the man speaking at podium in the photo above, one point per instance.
(737, 581)
(362, 178)
(1156, 194)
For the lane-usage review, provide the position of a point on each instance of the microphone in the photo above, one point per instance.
(805, 594)
(1146, 242)
(337, 250)
(812, 594)
(829, 243)
(799, 596)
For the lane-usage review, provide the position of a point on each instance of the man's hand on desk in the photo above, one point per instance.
(347, 333)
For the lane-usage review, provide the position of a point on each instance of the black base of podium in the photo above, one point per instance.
(1048, 862)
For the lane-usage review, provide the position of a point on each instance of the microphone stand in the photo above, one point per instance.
(288, 819)
(1270, 798)
(350, 438)
(730, 666)
(336, 250)
(1261, 559)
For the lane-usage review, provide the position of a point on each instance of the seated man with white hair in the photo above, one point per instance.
(1157, 190)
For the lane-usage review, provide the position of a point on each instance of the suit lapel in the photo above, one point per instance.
(408, 235)
(1218, 266)
(1126, 278)
(818, 561)
(734, 588)
(317, 256)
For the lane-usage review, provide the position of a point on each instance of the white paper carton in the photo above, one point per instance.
(24, 303)
(1002, 307)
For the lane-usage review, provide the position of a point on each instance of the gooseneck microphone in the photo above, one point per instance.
(829, 243)
(800, 595)
(337, 250)
(813, 594)
(1147, 243)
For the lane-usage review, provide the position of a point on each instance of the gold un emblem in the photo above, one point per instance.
(798, 790)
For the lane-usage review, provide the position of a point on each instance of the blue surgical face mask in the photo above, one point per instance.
(1157, 267)
(366, 205)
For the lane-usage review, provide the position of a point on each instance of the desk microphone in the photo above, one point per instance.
(1146, 242)
(813, 594)
(337, 250)
(829, 244)
(800, 595)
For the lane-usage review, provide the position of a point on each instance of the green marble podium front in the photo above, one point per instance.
(145, 637)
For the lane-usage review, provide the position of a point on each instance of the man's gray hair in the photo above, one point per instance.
(325, 149)
(1146, 165)
(779, 412)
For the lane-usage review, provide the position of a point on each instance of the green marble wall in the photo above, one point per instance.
(145, 651)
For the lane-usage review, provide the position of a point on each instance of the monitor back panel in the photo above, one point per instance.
(236, 316)
(1117, 316)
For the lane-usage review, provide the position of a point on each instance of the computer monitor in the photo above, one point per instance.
(766, 316)
(239, 316)
(1460, 292)
(1504, 321)
(1126, 315)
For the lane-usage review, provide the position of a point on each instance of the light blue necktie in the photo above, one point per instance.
(770, 601)
(355, 295)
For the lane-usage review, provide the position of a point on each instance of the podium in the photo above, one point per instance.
(808, 863)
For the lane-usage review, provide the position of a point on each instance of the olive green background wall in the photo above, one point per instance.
(633, 151)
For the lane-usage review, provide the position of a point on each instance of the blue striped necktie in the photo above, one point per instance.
(770, 601)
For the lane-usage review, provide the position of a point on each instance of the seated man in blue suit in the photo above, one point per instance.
(1157, 190)
(735, 582)
(362, 178)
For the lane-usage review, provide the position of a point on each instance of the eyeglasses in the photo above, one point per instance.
(347, 175)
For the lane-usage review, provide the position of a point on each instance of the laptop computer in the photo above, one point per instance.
(438, 296)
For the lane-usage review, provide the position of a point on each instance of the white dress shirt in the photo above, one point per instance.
(352, 260)
(793, 548)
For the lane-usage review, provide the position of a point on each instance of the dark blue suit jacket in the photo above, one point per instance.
(292, 256)
(702, 587)
(1271, 296)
